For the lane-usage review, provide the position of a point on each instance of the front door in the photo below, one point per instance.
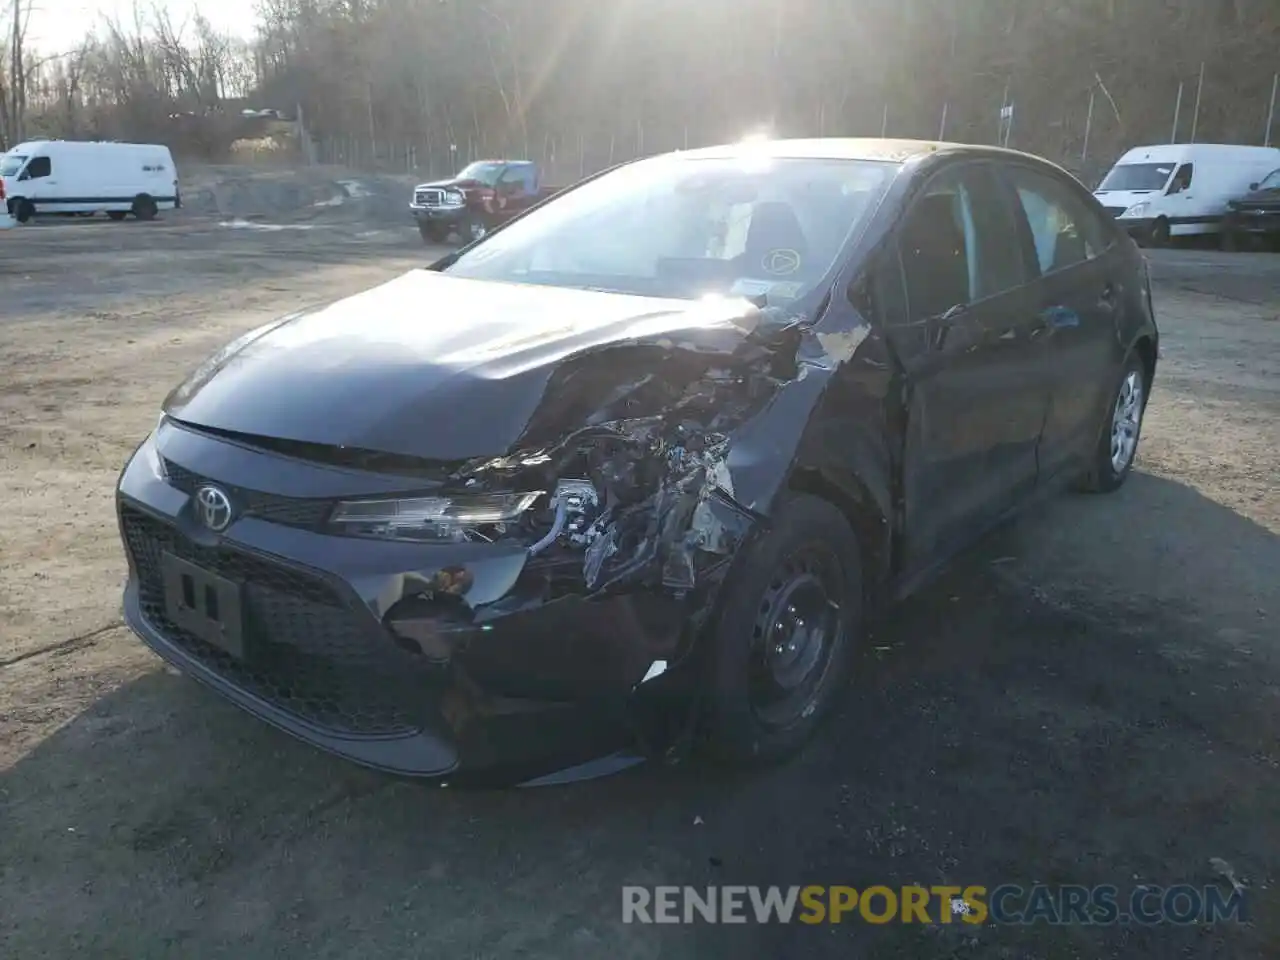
(960, 320)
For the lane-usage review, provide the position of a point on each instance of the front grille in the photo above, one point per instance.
(307, 651)
(288, 511)
(1115, 211)
(429, 198)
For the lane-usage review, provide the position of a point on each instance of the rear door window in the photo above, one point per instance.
(1065, 231)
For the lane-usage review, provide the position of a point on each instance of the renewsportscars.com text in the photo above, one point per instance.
(1006, 904)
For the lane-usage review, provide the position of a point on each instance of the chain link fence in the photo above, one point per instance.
(1086, 133)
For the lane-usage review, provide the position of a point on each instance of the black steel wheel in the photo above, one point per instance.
(779, 654)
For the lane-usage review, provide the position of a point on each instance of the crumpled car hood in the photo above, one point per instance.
(433, 366)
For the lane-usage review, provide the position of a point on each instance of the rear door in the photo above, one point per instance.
(956, 307)
(1079, 288)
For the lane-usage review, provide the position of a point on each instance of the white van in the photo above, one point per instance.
(1181, 189)
(76, 176)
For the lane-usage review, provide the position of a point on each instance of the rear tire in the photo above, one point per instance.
(781, 649)
(144, 208)
(1120, 432)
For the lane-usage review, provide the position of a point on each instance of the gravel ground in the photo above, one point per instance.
(1091, 696)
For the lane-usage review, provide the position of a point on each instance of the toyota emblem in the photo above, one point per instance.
(213, 507)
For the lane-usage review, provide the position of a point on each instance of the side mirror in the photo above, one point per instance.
(25, 175)
(1253, 186)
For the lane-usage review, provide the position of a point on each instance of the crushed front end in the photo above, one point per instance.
(503, 617)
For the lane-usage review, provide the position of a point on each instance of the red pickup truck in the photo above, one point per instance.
(482, 196)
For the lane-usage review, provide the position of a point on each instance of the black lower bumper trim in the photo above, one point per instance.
(418, 754)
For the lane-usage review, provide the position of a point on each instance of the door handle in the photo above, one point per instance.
(1061, 318)
(1107, 299)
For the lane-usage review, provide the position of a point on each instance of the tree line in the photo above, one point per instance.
(659, 74)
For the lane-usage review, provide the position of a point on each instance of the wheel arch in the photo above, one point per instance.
(1145, 347)
(873, 530)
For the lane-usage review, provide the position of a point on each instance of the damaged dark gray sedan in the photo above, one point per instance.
(629, 474)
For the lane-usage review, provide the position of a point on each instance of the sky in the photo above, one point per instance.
(57, 25)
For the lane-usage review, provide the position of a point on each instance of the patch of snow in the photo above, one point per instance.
(354, 189)
(239, 224)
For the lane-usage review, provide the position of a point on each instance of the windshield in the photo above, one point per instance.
(1271, 181)
(483, 171)
(1137, 176)
(685, 227)
(11, 163)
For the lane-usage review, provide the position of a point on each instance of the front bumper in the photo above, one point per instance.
(507, 686)
(1265, 223)
(438, 215)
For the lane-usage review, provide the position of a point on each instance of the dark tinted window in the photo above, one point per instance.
(959, 244)
(1064, 229)
(39, 167)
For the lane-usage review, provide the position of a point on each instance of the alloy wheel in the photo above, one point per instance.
(1126, 421)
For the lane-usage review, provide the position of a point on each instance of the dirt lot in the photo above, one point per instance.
(1093, 696)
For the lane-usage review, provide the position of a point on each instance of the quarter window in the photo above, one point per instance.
(1063, 228)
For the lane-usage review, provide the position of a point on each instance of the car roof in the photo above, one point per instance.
(845, 148)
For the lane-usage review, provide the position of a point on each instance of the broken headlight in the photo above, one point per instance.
(452, 519)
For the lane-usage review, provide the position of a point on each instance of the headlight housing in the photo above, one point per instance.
(1138, 209)
(448, 519)
(151, 456)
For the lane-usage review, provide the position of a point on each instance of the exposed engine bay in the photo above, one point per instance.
(637, 498)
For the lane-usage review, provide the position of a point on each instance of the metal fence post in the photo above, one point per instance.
(942, 127)
(1177, 109)
(884, 121)
(1088, 126)
(1195, 116)
(1271, 110)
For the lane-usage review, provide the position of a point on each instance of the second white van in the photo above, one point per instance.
(85, 177)
(1181, 189)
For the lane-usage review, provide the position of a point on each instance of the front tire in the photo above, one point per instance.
(1118, 441)
(22, 209)
(1161, 233)
(780, 652)
(432, 232)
